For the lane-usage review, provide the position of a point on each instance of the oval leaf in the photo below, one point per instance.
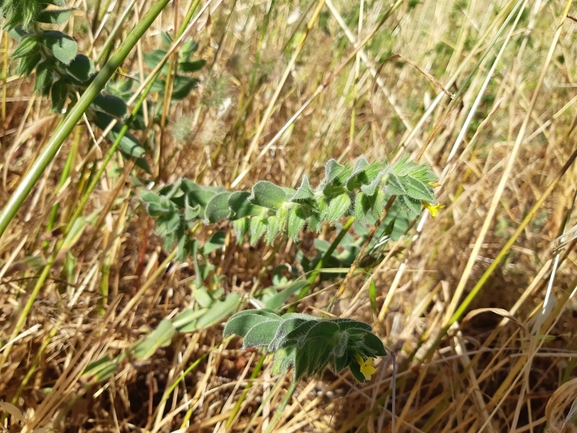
(54, 16)
(338, 207)
(219, 310)
(217, 208)
(82, 68)
(267, 194)
(110, 104)
(243, 321)
(62, 46)
(161, 336)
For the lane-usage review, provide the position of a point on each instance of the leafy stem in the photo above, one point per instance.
(360, 191)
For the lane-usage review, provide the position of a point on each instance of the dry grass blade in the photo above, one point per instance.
(477, 304)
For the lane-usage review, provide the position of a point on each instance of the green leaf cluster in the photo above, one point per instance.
(307, 343)
(177, 208)
(183, 84)
(62, 73)
(112, 106)
(361, 190)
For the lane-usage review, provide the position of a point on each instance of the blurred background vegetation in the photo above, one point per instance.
(476, 306)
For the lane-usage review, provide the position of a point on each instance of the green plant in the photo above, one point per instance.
(62, 73)
(211, 312)
(183, 84)
(27, 11)
(309, 343)
(361, 190)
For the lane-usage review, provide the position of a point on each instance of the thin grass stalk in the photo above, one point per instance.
(516, 371)
(500, 189)
(324, 259)
(180, 378)
(110, 154)
(61, 133)
(267, 114)
(242, 397)
(4, 75)
(506, 14)
(70, 159)
(504, 251)
(109, 42)
(78, 212)
(363, 251)
(53, 331)
(509, 167)
(279, 411)
(318, 91)
(548, 306)
(264, 401)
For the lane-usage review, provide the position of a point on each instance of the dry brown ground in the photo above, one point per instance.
(507, 363)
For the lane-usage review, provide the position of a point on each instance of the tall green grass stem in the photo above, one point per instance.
(61, 134)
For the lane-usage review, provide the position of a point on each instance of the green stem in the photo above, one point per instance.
(278, 413)
(65, 173)
(328, 253)
(139, 30)
(61, 134)
(242, 397)
(268, 397)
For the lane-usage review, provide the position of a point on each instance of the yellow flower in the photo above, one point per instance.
(433, 208)
(367, 368)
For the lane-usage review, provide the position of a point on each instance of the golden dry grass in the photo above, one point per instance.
(507, 362)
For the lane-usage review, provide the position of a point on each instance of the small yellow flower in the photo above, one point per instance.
(433, 208)
(435, 184)
(367, 368)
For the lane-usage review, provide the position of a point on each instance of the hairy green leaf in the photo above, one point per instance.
(273, 228)
(333, 170)
(267, 195)
(44, 78)
(81, 68)
(54, 16)
(338, 207)
(27, 46)
(257, 229)
(371, 188)
(411, 205)
(28, 63)
(304, 192)
(261, 334)
(296, 221)
(217, 209)
(62, 46)
(243, 321)
(59, 94)
(111, 105)
(240, 206)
